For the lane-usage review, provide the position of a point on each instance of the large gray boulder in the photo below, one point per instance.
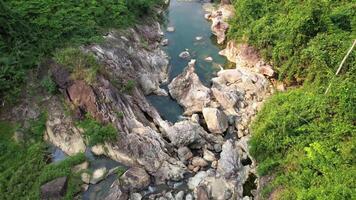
(216, 120)
(189, 91)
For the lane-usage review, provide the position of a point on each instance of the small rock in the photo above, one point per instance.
(135, 196)
(214, 164)
(80, 167)
(135, 178)
(208, 155)
(208, 59)
(98, 150)
(217, 148)
(170, 29)
(207, 16)
(55, 189)
(196, 169)
(189, 197)
(85, 177)
(98, 175)
(198, 161)
(164, 42)
(191, 167)
(184, 55)
(198, 38)
(179, 195)
(195, 118)
(84, 187)
(184, 154)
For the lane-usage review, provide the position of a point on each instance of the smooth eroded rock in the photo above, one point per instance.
(215, 119)
(135, 179)
(55, 189)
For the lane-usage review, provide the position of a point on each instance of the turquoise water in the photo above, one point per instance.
(188, 19)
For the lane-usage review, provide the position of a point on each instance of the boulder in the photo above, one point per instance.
(229, 162)
(198, 38)
(202, 194)
(135, 179)
(215, 119)
(164, 42)
(194, 181)
(219, 28)
(184, 154)
(55, 189)
(184, 55)
(170, 29)
(188, 90)
(98, 175)
(60, 130)
(184, 133)
(208, 59)
(208, 155)
(199, 162)
(179, 195)
(116, 192)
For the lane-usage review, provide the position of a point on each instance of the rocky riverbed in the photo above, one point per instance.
(203, 156)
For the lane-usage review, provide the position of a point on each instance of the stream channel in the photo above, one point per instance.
(187, 17)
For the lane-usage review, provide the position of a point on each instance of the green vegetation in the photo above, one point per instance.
(307, 140)
(48, 84)
(33, 29)
(96, 133)
(304, 138)
(128, 86)
(23, 165)
(120, 171)
(305, 40)
(82, 66)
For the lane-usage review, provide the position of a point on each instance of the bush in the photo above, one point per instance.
(23, 166)
(48, 84)
(82, 66)
(306, 139)
(305, 40)
(97, 133)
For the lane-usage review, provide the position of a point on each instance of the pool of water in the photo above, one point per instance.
(187, 17)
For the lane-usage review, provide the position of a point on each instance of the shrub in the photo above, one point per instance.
(306, 139)
(83, 66)
(97, 133)
(305, 41)
(48, 84)
(128, 86)
(23, 166)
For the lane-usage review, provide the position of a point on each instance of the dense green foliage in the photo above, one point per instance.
(304, 138)
(96, 133)
(23, 164)
(305, 40)
(307, 140)
(32, 29)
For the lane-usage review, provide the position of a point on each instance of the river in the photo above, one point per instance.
(187, 17)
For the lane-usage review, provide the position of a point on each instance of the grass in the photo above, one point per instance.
(24, 168)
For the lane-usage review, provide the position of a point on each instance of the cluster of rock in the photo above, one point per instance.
(219, 17)
(156, 150)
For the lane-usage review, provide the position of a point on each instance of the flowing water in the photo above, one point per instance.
(187, 17)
